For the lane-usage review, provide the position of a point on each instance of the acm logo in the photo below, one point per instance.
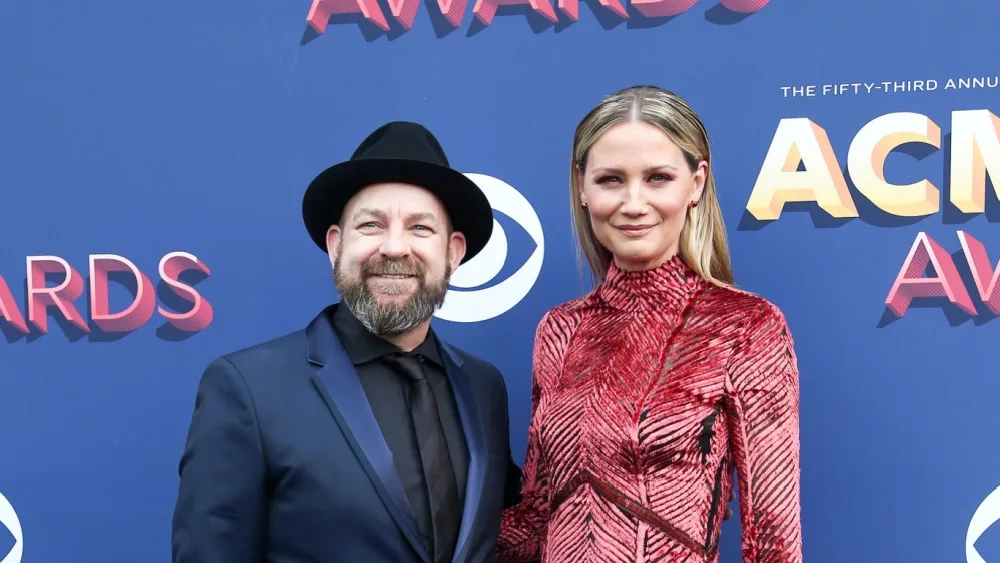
(463, 304)
(802, 167)
(10, 521)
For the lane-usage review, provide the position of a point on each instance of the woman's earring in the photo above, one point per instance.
(694, 204)
(583, 204)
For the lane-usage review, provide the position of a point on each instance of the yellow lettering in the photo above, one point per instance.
(975, 151)
(866, 163)
(779, 182)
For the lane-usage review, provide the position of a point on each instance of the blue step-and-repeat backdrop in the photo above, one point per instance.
(153, 158)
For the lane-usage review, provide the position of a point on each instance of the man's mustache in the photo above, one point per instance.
(382, 267)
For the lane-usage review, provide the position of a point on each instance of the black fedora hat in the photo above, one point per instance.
(407, 153)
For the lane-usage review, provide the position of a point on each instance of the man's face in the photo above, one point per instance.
(393, 255)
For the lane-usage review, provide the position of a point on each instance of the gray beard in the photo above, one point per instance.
(390, 320)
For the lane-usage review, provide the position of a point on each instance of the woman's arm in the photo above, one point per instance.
(522, 528)
(764, 429)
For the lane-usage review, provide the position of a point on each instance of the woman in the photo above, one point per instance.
(648, 391)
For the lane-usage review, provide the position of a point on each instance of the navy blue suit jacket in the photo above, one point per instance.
(285, 462)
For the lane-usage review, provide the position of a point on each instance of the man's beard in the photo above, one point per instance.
(390, 319)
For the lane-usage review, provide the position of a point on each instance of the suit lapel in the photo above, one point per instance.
(341, 389)
(472, 426)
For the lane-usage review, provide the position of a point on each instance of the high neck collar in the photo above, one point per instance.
(668, 286)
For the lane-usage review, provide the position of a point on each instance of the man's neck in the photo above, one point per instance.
(412, 338)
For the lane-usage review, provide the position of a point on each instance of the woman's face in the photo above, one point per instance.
(637, 187)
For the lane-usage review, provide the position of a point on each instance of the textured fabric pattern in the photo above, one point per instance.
(646, 395)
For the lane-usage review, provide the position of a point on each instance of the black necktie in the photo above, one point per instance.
(439, 473)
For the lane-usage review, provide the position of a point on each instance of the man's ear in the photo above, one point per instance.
(333, 237)
(456, 249)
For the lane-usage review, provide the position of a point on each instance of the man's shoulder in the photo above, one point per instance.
(481, 373)
(267, 355)
(470, 361)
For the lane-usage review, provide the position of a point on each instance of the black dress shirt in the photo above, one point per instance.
(386, 390)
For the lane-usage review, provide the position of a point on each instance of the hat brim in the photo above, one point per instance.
(467, 207)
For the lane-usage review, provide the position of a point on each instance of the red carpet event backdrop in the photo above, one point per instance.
(153, 159)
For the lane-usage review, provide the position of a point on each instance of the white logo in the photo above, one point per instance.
(985, 516)
(484, 304)
(8, 519)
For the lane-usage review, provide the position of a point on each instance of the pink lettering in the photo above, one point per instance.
(979, 264)
(321, 11)
(41, 297)
(405, 11)
(65, 291)
(452, 10)
(662, 8)
(8, 308)
(572, 8)
(486, 10)
(137, 313)
(911, 283)
(744, 6)
(201, 314)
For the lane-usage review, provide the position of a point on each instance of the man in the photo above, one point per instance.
(362, 438)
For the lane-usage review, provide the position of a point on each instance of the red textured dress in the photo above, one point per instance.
(646, 394)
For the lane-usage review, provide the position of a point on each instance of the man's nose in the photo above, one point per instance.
(396, 243)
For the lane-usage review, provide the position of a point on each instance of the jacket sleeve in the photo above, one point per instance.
(522, 527)
(220, 507)
(763, 386)
(512, 477)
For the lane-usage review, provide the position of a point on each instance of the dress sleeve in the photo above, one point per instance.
(763, 387)
(522, 527)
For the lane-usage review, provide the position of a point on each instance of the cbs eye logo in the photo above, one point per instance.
(10, 523)
(985, 516)
(467, 301)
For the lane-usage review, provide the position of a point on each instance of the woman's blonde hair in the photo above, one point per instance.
(703, 244)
